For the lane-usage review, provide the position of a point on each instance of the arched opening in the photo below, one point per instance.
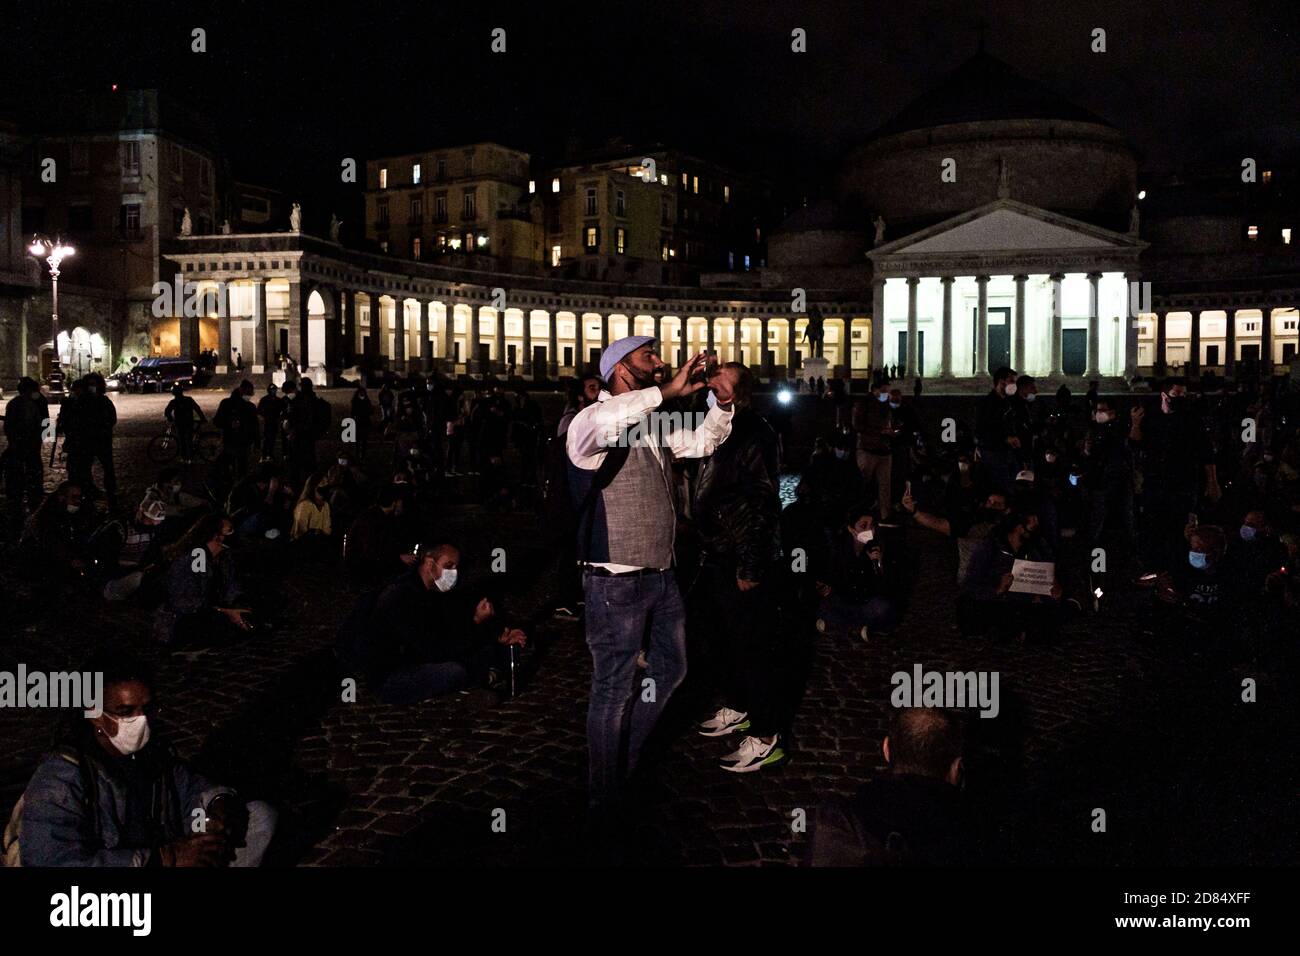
(315, 332)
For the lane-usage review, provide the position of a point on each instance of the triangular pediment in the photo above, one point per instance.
(1006, 226)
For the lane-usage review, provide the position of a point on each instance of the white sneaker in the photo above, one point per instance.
(753, 755)
(724, 722)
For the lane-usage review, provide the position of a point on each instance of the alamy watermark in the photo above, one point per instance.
(24, 688)
(183, 297)
(654, 429)
(946, 689)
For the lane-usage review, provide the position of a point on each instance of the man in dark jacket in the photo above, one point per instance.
(237, 420)
(25, 418)
(271, 410)
(309, 420)
(738, 512)
(999, 446)
(912, 816)
(419, 640)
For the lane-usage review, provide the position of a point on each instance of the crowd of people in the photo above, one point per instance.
(659, 493)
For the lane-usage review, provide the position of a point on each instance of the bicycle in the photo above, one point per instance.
(166, 447)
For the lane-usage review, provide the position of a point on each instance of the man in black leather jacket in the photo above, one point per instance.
(737, 510)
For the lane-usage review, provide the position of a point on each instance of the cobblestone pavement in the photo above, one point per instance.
(1105, 717)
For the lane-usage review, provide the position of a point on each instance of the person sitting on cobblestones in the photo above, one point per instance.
(57, 536)
(1200, 590)
(261, 503)
(415, 639)
(203, 603)
(114, 794)
(860, 593)
(311, 515)
(180, 506)
(986, 602)
(140, 554)
(912, 816)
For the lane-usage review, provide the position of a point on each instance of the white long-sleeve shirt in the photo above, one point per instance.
(596, 429)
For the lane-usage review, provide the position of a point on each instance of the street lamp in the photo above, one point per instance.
(54, 252)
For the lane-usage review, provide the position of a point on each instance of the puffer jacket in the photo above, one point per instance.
(737, 505)
(74, 809)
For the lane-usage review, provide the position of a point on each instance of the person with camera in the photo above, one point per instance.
(626, 528)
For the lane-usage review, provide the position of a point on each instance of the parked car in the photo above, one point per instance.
(117, 382)
(159, 374)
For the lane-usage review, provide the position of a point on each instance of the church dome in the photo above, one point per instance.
(946, 152)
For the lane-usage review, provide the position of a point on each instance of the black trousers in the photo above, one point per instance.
(749, 645)
(24, 474)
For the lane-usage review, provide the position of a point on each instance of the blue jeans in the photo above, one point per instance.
(619, 610)
(414, 684)
(876, 613)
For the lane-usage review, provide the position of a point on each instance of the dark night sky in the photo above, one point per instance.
(295, 87)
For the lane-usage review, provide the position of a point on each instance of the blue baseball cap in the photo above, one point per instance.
(619, 350)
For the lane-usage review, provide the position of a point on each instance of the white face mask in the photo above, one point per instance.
(883, 397)
(73, 509)
(1102, 417)
(963, 466)
(1031, 396)
(865, 537)
(132, 734)
(447, 580)
(1011, 389)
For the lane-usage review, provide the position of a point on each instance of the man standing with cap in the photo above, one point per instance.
(620, 479)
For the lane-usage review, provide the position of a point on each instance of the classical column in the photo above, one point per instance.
(982, 328)
(448, 333)
(789, 348)
(348, 325)
(708, 332)
(500, 315)
(1058, 370)
(553, 345)
(604, 332)
(265, 358)
(472, 361)
(399, 335)
(945, 334)
(223, 329)
(765, 357)
(333, 309)
(426, 343)
(1266, 341)
(911, 370)
(579, 341)
(877, 327)
(1230, 343)
(1159, 365)
(376, 327)
(526, 365)
(298, 323)
(1094, 322)
(1018, 339)
(659, 337)
(1194, 352)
